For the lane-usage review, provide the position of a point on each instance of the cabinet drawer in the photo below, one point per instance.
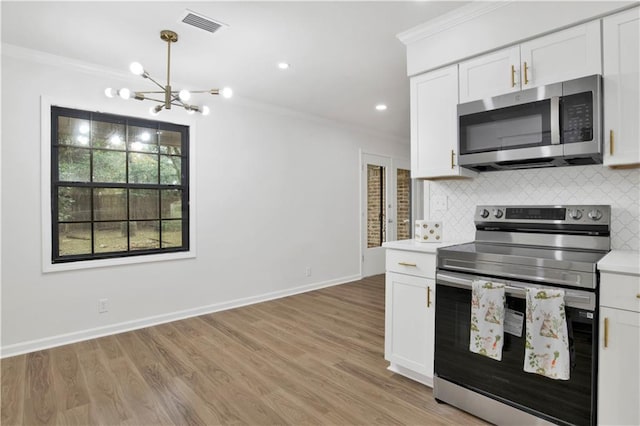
(620, 291)
(411, 263)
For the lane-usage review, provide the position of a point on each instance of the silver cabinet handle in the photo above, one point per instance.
(555, 120)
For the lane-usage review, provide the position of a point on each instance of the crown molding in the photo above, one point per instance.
(451, 19)
(26, 54)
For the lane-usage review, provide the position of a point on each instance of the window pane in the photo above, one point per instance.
(143, 204)
(170, 170)
(375, 205)
(74, 238)
(73, 164)
(110, 179)
(108, 135)
(142, 139)
(74, 131)
(74, 204)
(109, 166)
(144, 235)
(110, 204)
(171, 233)
(403, 203)
(143, 168)
(110, 237)
(170, 142)
(171, 204)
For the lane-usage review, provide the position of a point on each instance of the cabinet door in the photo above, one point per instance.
(434, 129)
(621, 45)
(409, 322)
(619, 368)
(490, 75)
(560, 56)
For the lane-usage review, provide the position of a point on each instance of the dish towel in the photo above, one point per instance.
(487, 318)
(547, 342)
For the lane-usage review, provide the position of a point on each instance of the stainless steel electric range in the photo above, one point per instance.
(522, 246)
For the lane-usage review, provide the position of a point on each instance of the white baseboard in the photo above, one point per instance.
(92, 333)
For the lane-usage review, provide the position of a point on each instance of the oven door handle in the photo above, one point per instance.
(463, 282)
(573, 298)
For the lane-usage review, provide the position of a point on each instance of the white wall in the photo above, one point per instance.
(563, 185)
(277, 191)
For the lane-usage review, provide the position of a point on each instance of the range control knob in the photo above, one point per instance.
(484, 213)
(497, 213)
(595, 214)
(575, 214)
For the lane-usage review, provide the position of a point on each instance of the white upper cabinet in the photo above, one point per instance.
(564, 55)
(434, 129)
(621, 79)
(489, 75)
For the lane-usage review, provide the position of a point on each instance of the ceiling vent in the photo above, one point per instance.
(197, 20)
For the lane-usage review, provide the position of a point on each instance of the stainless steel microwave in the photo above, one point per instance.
(558, 124)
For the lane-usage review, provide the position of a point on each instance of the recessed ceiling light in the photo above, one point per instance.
(381, 107)
(283, 65)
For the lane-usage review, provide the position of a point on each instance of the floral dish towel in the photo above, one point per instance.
(487, 318)
(547, 342)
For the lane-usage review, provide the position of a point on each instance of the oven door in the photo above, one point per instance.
(559, 401)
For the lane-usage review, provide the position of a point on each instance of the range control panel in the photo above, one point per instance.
(563, 214)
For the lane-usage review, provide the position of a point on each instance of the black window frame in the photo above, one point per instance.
(184, 186)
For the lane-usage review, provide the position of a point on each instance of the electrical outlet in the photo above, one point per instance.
(103, 306)
(439, 202)
(307, 272)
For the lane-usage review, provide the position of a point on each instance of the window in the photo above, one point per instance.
(119, 186)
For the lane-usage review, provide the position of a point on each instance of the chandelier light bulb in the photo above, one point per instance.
(136, 68)
(154, 111)
(145, 136)
(124, 93)
(205, 110)
(226, 92)
(184, 95)
(84, 128)
(109, 92)
(115, 140)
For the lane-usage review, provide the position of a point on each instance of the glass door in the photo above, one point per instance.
(386, 208)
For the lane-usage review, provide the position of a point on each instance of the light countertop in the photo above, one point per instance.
(412, 245)
(621, 262)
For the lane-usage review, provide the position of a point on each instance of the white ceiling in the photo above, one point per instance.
(345, 57)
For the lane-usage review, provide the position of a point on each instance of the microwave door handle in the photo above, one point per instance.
(555, 120)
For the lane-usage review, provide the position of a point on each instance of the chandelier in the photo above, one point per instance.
(166, 97)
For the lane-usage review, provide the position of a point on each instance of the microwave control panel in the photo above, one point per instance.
(577, 117)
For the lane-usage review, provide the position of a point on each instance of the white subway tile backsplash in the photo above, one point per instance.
(562, 185)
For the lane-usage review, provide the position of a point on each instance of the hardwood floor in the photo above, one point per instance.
(314, 358)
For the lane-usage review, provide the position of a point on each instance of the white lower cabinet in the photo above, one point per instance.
(619, 354)
(410, 315)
